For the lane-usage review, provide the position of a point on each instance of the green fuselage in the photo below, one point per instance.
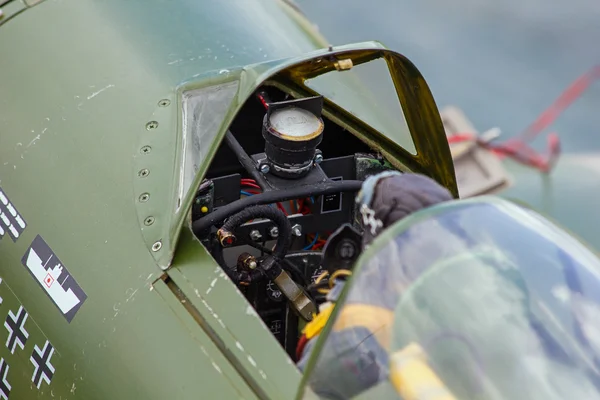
(80, 80)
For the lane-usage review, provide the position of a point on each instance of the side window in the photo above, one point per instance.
(203, 113)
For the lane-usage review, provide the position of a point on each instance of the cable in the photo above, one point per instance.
(320, 286)
(321, 188)
(312, 243)
(284, 240)
(282, 209)
(250, 183)
(263, 97)
(340, 272)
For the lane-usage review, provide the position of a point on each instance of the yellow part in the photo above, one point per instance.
(413, 379)
(306, 137)
(336, 274)
(377, 320)
(314, 327)
(204, 209)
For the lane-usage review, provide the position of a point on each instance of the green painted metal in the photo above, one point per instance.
(79, 81)
(11, 9)
(90, 97)
(235, 326)
(167, 209)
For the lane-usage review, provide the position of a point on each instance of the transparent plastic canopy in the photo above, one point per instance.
(477, 299)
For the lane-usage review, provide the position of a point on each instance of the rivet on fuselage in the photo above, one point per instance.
(146, 150)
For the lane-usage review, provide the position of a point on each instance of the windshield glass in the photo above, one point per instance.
(479, 300)
(367, 91)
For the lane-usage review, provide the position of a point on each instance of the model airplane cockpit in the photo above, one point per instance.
(283, 180)
(178, 179)
(285, 176)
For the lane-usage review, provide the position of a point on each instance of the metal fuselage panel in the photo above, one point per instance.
(79, 81)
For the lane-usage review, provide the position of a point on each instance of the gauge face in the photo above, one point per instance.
(295, 123)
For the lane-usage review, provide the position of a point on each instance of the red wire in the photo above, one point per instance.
(282, 208)
(263, 101)
(318, 244)
(253, 185)
(302, 207)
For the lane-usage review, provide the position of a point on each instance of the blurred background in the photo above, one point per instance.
(502, 62)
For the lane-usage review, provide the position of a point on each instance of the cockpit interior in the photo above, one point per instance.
(282, 182)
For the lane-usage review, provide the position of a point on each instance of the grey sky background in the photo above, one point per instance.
(503, 61)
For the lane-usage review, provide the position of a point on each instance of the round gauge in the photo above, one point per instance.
(297, 124)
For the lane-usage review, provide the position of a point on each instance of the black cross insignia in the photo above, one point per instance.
(15, 325)
(4, 385)
(44, 370)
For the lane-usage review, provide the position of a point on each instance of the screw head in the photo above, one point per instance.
(346, 250)
(164, 103)
(144, 173)
(318, 158)
(151, 125)
(144, 197)
(157, 246)
(274, 232)
(297, 230)
(265, 168)
(146, 150)
(149, 221)
(255, 235)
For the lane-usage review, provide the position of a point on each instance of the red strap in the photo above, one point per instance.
(517, 147)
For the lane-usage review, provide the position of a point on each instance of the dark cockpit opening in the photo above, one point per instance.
(282, 182)
(247, 126)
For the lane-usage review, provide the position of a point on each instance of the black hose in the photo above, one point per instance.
(319, 189)
(247, 162)
(284, 240)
